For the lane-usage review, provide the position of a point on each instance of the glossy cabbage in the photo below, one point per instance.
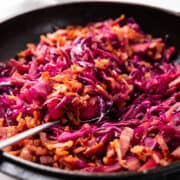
(113, 88)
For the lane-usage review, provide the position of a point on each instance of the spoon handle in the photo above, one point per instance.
(25, 134)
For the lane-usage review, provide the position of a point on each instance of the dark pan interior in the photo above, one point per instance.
(16, 32)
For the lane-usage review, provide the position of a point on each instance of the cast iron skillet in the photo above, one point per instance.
(16, 32)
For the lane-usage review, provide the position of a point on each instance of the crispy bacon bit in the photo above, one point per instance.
(15, 153)
(65, 145)
(142, 152)
(117, 148)
(176, 153)
(93, 150)
(125, 140)
(46, 160)
(26, 154)
(162, 145)
(43, 137)
(40, 151)
(1, 122)
(6, 132)
(132, 163)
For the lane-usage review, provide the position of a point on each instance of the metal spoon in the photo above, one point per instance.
(25, 134)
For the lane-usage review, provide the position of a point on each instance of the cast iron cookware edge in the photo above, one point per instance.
(18, 31)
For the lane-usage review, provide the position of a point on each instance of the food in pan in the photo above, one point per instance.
(113, 88)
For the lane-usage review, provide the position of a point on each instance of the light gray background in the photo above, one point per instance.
(14, 7)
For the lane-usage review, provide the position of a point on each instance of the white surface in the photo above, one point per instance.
(14, 7)
(5, 177)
